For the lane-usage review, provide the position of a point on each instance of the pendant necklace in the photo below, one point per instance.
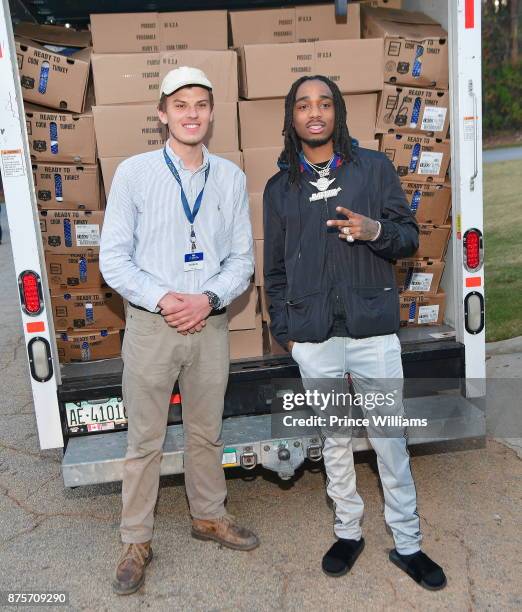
(323, 182)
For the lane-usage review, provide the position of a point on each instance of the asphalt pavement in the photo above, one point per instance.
(503, 154)
(54, 538)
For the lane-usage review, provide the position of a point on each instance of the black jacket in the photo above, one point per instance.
(310, 274)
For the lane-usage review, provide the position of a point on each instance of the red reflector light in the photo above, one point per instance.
(30, 292)
(472, 249)
(37, 326)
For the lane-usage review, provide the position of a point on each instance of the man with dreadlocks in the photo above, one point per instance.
(335, 218)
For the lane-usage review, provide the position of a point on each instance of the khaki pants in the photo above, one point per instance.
(155, 356)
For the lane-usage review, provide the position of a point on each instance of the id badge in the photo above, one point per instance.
(193, 261)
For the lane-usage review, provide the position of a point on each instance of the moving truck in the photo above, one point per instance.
(78, 406)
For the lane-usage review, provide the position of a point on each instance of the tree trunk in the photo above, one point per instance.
(514, 31)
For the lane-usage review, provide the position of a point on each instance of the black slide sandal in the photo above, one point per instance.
(341, 557)
(420, 568)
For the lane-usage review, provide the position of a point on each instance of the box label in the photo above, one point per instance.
(428, 314)
(430, 162)
(433, 118)
(88, 235)
(420, 281)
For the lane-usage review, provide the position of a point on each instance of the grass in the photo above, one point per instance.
(503, 249)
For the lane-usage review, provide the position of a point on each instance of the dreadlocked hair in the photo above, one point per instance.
(342, 142)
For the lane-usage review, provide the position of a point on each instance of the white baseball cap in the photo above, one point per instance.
(183, 76)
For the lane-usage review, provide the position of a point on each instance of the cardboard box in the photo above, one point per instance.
(318, 22)
(219, 66)
(393, 4)
(433, 241)
(54, 35)
(361, 110)
(422, 309)
(193, 30)
(79, 346)
(262, 26)
(259, 278)
(144, 131)
(356, 66)
(260, 165)
(68, 231)
(415, 46)
(285, 63)
(96, 308)
(125, 32)
(243, 311)
(261, 121)
(235, 157)
(288, 25)
(246, 343)
(60, 137)
(67, 186)
(74, 270)
(412, 110)
(418, 275)
(418, 158)
(369, 144)
(256, 215)
(108, 169)
(431, 202)
(152, 32)
(126, 77)
(52, 79)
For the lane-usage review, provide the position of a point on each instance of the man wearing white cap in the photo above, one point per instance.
(177, 244)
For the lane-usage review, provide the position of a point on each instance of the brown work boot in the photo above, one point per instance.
(130, 573)
(225, 531)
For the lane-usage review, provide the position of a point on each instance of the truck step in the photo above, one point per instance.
(249, 442)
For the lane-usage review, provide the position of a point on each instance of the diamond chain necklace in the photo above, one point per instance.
(322, 172)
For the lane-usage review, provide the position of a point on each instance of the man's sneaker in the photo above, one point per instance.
(342, 556)
(421, 568)
(225, 531)
(130, 573)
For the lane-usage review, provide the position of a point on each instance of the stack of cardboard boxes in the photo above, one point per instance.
(269, 49)
(128, 70)
(54, 70)
(276, 47)
(413, 125)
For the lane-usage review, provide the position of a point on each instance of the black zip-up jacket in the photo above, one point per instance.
(311, 275)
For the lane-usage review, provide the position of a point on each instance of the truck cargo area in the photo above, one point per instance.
(79, 370)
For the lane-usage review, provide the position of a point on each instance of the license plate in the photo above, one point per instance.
(99, 415)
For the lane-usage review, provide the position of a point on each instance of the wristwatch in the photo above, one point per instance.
(213, 300)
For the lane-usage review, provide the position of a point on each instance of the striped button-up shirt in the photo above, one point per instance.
(146, 234)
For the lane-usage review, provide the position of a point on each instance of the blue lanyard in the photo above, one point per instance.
(190, 214)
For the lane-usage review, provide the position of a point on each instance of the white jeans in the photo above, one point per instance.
(374, 364)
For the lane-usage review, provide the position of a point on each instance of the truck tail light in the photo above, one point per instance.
(30, 288)
(474, 312)
(40, 361)
(473, 250)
